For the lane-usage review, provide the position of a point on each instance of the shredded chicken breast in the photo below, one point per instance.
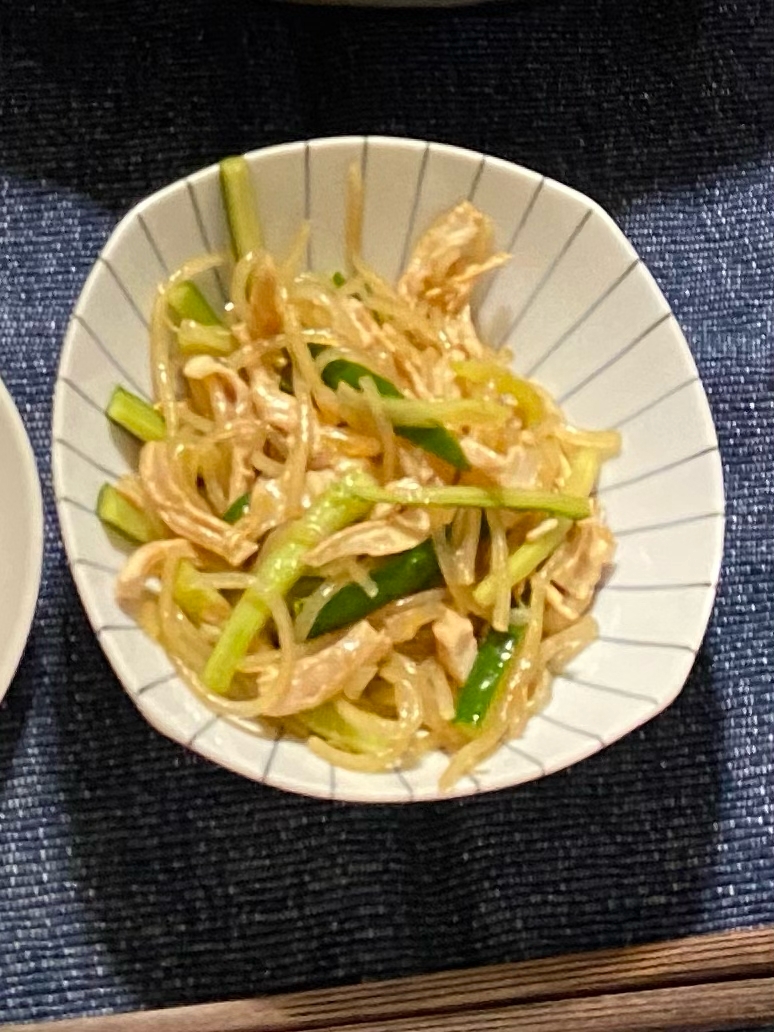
(449, 259)
(456, 644)
(578, 568)
(322, 676)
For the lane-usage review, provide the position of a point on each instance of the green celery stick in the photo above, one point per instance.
(187, 302)
(119, 513)
(196, 598)
(464, 496)
(239, 202)
(135, 415)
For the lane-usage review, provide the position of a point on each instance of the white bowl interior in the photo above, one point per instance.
(582, 315)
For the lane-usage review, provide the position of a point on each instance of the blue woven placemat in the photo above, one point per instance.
(133, 873)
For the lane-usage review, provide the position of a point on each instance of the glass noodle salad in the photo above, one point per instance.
(355, 526)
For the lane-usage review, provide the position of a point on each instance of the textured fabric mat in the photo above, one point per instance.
(133, 873)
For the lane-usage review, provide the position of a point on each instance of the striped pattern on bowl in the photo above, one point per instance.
(581, 314)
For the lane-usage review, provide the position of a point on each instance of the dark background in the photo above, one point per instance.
(133, 873)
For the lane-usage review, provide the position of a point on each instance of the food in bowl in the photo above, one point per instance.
(355, 525)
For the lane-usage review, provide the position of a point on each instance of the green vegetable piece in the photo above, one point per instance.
(340, 370)
(468, 496)
(277, 572)
(326, 721)
(197, 339)
(237, 509)
(187, 302)
(135, 415)
(494, 656)
(528, 398)
(239, 201)
(201, 330)
(437, 441)
(400, 575)
(196, 597)
(119, 513)
(434, 439)
(339, 279)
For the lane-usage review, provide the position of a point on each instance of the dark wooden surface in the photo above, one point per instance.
(706, 983)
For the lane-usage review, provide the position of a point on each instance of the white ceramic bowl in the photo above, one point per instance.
(583, 315)
(21, 537)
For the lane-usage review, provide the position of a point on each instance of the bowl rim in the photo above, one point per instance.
(403, 793)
